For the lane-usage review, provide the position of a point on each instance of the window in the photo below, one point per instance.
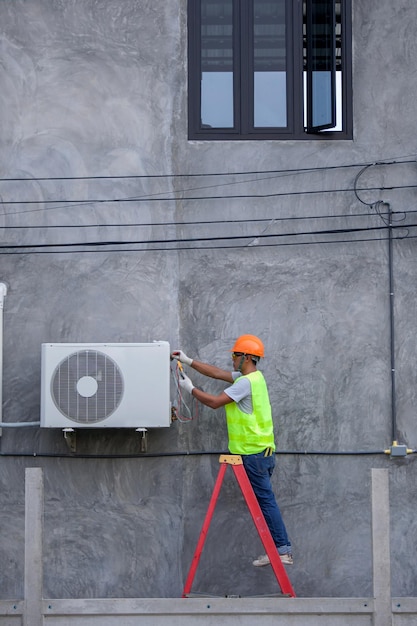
(269, 69)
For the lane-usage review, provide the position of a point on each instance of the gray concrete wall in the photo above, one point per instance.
(98, 89)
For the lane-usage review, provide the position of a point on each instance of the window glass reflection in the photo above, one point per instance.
(269, 61)
(217, 100)
(217, 64)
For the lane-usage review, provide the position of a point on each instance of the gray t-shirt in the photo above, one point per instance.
(241, 392)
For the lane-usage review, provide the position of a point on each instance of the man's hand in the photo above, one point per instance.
(186, 383)
(182, 357)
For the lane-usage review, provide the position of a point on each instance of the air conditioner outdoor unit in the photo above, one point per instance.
(105, 385)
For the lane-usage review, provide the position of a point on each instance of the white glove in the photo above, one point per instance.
(186, 383)
(182, 357)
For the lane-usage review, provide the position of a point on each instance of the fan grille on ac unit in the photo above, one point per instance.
(87, 386)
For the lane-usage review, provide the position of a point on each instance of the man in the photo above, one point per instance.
(249, 426)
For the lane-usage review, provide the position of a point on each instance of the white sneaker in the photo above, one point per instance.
(264, 560)
(287, 559)
(261, 561)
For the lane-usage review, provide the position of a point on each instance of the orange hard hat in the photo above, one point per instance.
(249, 344)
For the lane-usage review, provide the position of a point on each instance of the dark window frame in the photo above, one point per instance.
(296, 67)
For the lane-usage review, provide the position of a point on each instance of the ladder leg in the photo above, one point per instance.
(263, 530)
(204, 531)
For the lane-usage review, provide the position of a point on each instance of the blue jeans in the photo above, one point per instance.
(259, 469)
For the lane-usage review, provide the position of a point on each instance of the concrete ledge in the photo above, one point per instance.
(404, 611)
(230, 611)
(11, 612)
(404, 605)
(11, 607)
(209, 605)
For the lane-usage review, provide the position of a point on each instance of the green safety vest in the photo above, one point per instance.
(250, 433)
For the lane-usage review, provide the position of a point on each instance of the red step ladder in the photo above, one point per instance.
(236, 463)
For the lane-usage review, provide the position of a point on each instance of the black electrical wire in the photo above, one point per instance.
(146, 198)
(197, 222)
(252, 237)
(202, 249)
(268, 220)
(150, 455)
(387, 161)
(152, 198)
(389, 224)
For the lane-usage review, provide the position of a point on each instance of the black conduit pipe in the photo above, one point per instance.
(392, 326)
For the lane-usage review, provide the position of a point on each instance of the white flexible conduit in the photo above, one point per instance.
(3, 294)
